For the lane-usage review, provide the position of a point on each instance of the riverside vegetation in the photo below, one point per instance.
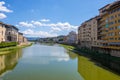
(6, 47)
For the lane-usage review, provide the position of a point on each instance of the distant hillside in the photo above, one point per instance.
(32, 38)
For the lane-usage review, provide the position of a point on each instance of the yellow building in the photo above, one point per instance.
(2, 32)
(103, 25)
(109, 24)
(113, 34)
(102, 32)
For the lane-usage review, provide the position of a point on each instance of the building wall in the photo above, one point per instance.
(2, 32)
(11, 33)
(72, 38)
(113, 34)
(103, 23)
(20, 38)
(109, 24)
(87, 33)
(25, 40)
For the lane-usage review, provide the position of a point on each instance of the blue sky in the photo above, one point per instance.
(47, 18)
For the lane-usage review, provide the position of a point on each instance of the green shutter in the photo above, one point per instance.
(106, 26)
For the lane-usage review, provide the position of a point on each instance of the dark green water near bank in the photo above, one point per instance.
(50, 62)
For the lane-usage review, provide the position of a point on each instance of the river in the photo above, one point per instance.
(50, 62)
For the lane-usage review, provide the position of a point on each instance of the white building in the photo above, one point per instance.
(72, 38)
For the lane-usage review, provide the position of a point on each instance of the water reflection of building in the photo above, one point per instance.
(90, 71)
(9, 61)
(2, 64)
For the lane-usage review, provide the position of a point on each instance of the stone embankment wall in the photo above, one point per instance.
(112, 52)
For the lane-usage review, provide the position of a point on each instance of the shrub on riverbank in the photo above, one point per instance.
(14, 47)
(8, 44)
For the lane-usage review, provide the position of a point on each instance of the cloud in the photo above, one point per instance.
(32, 33)
(45, 20)
(46, 29)
(25, 24)
(65, 26)
(59, 26)
(2, 16)
(36, 23)
(3, 8)
(55, 29)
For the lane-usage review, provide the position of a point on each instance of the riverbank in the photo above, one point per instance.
(87, 52)
(7, 49)
(102, 59)
(68, 47)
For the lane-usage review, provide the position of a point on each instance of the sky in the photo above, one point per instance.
(48, 18)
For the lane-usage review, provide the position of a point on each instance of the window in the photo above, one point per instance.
(115, 33)
(111, 23)
(119, 21)
(119, 38)
(111, 34)
(119, 15)
(111, 28)
(106, 20)
(9, 33)
(118, 27)
(111, 17)
(115, 21)
(119, 33)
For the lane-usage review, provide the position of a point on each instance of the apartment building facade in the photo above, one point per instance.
(11, 33)
(109, 24)
(103, 25)
(102, 32)
(113, 34)
(87, 33)
(2, 32)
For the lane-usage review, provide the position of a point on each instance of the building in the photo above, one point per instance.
(113, 34)
(88, 33)
(102, 33)
(2, 32)
(103, 25)
(20, 38)
(71, 38)
(25, 40)
(109, 29)
(11, 33)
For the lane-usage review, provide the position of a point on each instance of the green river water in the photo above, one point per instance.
(50, 62)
